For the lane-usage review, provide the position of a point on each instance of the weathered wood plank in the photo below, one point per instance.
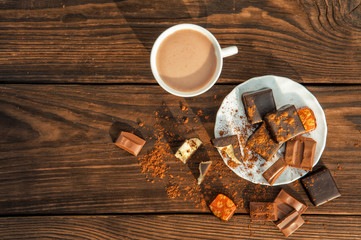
(57, 154)
(172, 227)
(310, 41)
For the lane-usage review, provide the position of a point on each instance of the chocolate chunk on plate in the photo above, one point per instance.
(321, 187)
(229, 146)
(275, 170)
(300, 152)
(258, 103)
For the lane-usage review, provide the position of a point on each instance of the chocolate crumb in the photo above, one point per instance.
(185, 120)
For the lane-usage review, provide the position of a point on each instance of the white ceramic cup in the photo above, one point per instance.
(220, 54)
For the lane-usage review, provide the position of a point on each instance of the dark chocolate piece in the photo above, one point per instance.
(258, 103)
(287, 203)
(229, 145)
(130, 142)
(300, 152)
(263, 211)
(203, 169)
(275, 170)
(262, 143)
(284, 124)
(320, 187)
(290, 223)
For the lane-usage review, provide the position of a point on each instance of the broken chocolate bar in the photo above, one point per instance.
(287, 203)
(290, 223)
(189, 147)
(284, 124)
(308, 119)
(229, 145)
(263, 211)
(262, 143)
(130, 142)
(275, 170)
(300, 152)
(320, 187)
(258, 103)
(203, 169)
(223, 207)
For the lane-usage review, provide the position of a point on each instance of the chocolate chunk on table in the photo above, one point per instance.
(286, 204)
(275, 170)
(284, 124)
(290, 223)
(262, 143)
(321, 187)
(258, 103)
(188, 148)
(229, 145)
(223, 207)
(263, 211)
(300, 152)
(130, 142)
(203, 169)
(308, 119)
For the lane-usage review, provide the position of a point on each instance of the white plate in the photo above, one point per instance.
(231, 119)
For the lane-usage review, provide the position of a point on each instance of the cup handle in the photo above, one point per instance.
(229, 51)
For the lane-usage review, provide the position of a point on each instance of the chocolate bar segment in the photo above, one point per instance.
(308, 119)
(290, 223)
(203, 169)
(321, 187)
(286, 203)
(130, 142)
(188, 148)
(300, 152)
(262, 143)
(263, 211)
(223, 207)
(275, 170)
(258, 103)
(284, 124)
(229, 146)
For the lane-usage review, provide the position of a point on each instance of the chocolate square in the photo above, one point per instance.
(286, 204)
(130, 143)
(258, 103)
(275, 170)
(262, 143)
(229, 145)
(284, 124)
(300, 152)
(321, 187)
(290, 223)
(263, 211)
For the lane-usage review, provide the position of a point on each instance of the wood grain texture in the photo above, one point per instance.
(311, 41)
(57, 154)
(173, 227)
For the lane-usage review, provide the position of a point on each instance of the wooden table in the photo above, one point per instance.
(75, 73)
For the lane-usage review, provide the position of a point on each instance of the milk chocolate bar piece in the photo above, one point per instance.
(223, 207)
(258, 103)
(287, 203)
(263, 211)
(300, 152)
(130, 142)
(290, 223)
(284, 124)
(262, 143)
(321, 187)
(275, 170)
(203, 169)
(189, 147)
(308, 119)
(229, 145)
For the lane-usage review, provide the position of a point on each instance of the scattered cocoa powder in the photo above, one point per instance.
(356, 145)
(173, 191)
(185, 120)
(141, 124)
(199, 112)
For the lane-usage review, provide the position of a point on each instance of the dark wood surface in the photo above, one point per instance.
(75, 73)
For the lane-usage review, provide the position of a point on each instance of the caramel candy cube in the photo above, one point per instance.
(262, 143)
(308, 119)
(130, 142)
(258, 103)
(263, 211)
(223, 207)
(284, 124)
(300, 152)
